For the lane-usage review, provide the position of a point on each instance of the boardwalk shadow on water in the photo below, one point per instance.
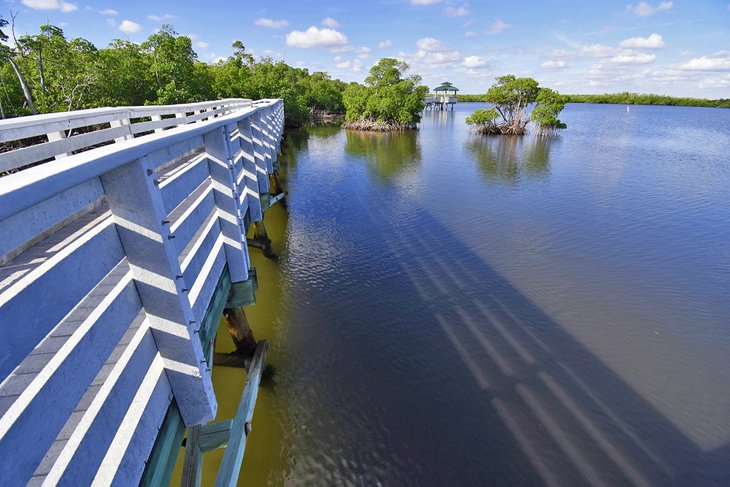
(559, 409)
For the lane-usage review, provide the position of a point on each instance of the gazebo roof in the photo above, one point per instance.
(446, 86)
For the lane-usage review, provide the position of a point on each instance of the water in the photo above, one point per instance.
(452, 309)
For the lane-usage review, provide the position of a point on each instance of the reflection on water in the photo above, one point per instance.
(570, 333)
(510, 158)
(387, 154)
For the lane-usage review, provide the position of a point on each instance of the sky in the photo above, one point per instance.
(678, 47)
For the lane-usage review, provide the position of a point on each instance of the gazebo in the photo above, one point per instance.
(445, 101)
(446, 87)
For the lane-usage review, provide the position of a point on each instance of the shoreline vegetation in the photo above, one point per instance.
(627, 98)
(388, 101)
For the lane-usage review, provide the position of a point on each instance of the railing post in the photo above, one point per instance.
(221, 166)
(155, 118)
(140, 217)
(250, 174)
(61, 134)
(120, 123)
(262, 172)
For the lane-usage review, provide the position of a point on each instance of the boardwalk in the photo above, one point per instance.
(120, 230)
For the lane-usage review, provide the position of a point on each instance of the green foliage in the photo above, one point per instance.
(545, 114)
(510, 97)
(67, 74)
(388, 99)
(627, 98)
(482, 116)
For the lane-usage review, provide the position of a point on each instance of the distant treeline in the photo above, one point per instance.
(626, 98)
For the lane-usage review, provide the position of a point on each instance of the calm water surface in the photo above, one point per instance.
(452, 309)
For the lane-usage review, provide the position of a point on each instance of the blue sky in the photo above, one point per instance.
(679, 48)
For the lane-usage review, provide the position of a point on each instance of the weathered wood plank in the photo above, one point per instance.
(241, 426)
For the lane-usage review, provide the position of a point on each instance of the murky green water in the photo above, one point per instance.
(451, 309)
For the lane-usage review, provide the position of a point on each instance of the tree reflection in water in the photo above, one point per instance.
(387, 154)
(508, 159)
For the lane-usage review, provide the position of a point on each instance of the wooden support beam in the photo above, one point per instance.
(230, 434)
(240, 331)
(241, 426)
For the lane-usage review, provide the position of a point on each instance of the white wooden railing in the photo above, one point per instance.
(109, 258)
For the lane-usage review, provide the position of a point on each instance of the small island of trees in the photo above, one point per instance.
(511, 97)
(389, 100)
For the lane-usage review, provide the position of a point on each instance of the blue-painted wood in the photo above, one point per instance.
(176, 189)
(28, 224)
(96, 417)
(161, 463)
(140, 447)
(37, 427)
(185, 231)
(87, 458)
(43, 303)
(220, 165)
(201, 304)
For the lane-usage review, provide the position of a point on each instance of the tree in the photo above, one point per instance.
(390, 101)
(545, 114)
(511, 97)
(8, 54)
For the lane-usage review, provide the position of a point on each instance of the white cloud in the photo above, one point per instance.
(111, 22)
(632, 57)
(715, 83)
(552, 65)
(598, 50)
(316, 37)
(456, 12)
(344, 65)
(654, 41)
(129, 27)
(385, 44)
(202, 45)
(470, 34)
(497, 27)
(430, 44)
(331, 23)
(643, 9)
(475, 62)
(50, 5)
(425, 2)
(108, 11)
(272, 24)
(160, 18)
(719, 61)
(433, 51)
(363, 56)
(686, 52)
